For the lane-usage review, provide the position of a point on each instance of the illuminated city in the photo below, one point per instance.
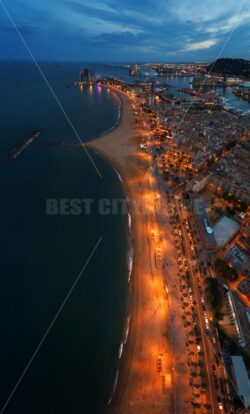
(126, 190)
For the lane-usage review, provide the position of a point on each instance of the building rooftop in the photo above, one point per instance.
(242, 379)
(207, 229)
(224, 230)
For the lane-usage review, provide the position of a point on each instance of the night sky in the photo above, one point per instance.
(126, 30)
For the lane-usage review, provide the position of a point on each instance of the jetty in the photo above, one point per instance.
(23, 145)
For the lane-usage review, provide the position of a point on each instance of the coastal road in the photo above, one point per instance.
(211, 397)
(209, 402)
(181, 373)
(209, 358)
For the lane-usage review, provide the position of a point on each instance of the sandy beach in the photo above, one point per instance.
(144, 381)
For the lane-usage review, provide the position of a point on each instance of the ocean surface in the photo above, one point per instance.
(41, 254)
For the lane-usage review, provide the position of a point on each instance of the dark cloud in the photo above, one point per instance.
(121, 29)
(116, 38)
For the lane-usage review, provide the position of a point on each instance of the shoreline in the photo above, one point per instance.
(123, 358)
(116, 124)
